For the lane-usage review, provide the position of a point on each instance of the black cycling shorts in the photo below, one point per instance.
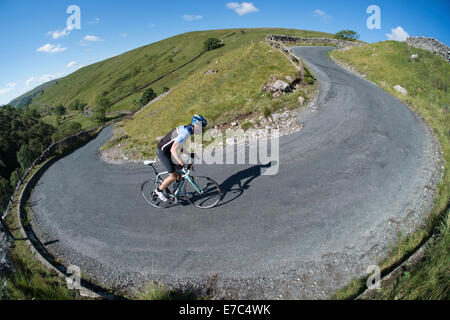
(165, 158)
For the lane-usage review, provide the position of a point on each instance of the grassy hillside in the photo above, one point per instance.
(26, 98)
(233, 92)
(121, 75)
(427, 79)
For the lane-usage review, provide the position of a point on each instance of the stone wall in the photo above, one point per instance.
(431, 45)
(5, 264)
(314, 41)
(5, 243)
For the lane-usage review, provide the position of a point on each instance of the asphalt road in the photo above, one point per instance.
(362, 168)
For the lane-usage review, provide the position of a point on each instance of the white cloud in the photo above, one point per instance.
(322, 14)
(29, 81)
(242, 8)
(152, 25)
(60, 33)
(9, 87)
(37, 80)
(92, 38)
(72, 64)
(190, 17)
(397, 34)
(51, 48)
(123, 34)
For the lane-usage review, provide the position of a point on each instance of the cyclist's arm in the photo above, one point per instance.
(174, 151)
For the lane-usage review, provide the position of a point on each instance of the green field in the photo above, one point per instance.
(121, 75)
(233, 92)
(426, 79)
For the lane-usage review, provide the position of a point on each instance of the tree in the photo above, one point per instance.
(103, 103)
(35, 145)
(25, 156)
(348, 35)
(14, 179)
(60, 110)
(74, 105)
(20, 127)
(165, 89)
(212, 43)
(77, 105)
(100, 115)
(147, 96)
(32, 112)
(4, 193)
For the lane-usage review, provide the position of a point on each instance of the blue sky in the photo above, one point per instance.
(38, 47)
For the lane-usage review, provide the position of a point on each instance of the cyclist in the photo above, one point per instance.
(170, 145)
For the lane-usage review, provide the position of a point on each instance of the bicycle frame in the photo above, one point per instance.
(185, 176)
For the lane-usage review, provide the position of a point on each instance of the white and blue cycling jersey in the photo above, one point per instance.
(179, 134)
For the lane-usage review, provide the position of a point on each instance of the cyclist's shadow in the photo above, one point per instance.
(238, 182)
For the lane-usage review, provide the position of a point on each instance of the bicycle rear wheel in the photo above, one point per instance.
(202, 192)
(148, 192)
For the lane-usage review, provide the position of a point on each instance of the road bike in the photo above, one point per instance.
(202, 192)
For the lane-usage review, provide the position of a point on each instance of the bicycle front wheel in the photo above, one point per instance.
(148, 192)
(202, 192)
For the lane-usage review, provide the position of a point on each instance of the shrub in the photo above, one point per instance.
(60, 110)
(212, 43)
(147, 96)
(348, 35)
(77, 105)
(14, 179)
(74, 105)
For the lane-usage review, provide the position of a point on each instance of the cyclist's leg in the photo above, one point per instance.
(177, 182)
(170, 167)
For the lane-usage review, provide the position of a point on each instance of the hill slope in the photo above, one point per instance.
(24, 99)
(119, 76)
(233, 92)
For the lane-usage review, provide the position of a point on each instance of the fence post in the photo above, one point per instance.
(20, 177)
(302, 71)
(9, 197)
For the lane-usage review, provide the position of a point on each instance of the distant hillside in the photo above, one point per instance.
(28, 96)
(123, 74)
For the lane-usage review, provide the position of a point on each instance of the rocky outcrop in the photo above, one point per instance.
(400, 89)
(279, 87)
(282, 86)
(256, 128)
(430, 44)
(315, 41)
(211, 71)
